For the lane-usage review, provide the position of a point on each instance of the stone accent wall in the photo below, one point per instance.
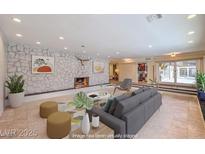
(67, 67)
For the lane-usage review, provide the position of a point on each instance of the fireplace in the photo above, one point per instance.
(81, 82)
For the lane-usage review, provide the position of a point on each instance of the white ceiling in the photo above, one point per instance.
(107, 34)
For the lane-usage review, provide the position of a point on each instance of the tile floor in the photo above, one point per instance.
(178, 117)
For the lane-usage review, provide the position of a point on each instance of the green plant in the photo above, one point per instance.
(15, 84)
(81, 100)
(200, 81)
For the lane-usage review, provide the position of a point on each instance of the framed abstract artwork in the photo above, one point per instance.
(98, 67)
(41, 64)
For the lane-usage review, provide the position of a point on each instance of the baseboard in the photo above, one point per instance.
(43, 96)
(45, 92)
(174, 90)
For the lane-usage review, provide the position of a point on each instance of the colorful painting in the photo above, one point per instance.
(98, 67)
(42, 64)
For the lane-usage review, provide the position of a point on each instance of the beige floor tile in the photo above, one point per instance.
(178, 117)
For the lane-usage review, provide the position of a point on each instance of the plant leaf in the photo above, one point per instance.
(82, 101)
(15, 83)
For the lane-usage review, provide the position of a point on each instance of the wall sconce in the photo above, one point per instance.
(117, 71)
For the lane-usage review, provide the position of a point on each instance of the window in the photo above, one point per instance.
(166, 72)
(186, 71)
(192, 72)
(183, 72)
(178, 72)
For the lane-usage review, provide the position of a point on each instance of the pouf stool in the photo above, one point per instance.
(47, 108)
(58, 125)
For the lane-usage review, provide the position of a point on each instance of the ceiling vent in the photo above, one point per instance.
(153, 17)
(148, 59)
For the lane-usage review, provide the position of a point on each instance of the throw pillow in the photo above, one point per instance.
(113, 106)
(108, 104)
(116, 100)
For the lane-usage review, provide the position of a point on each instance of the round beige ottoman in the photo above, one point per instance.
(47, 108)
(58, 125)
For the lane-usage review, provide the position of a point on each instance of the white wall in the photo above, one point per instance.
(111, 70)
(204, 63)
(150, 71)
(2, 72)
(128, 70)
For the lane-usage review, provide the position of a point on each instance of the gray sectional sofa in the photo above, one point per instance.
(129, 112)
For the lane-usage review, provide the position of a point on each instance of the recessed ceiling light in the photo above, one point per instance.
(117, 52)
(191, 41)
(61, 38)
(191, 16)
(17, 20)
(150, 46)
(65, 48)
(38, 42)
(191, 32)
(108, 56)
(19, 35)
(98, 54)
(84, 51)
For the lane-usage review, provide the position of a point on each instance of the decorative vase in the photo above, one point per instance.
(85, 124)
(16, 99)
(201, 95)
(95, 121)
(62, 106)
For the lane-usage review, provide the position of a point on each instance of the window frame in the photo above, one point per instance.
(175, 72)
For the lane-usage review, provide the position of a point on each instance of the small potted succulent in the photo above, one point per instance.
(81, 100)
(15, 84)
(200, 81)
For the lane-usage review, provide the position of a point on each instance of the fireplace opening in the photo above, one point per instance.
(81, 82)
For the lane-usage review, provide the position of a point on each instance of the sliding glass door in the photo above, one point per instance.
(166, 71)
(179, 72)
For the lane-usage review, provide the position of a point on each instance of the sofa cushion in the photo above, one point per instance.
(146, 88)
(126, 105)
(145, 95)
(123, 96)
(137, 91)
(116, 101)
(149, 107)
(154, 91)
(135, 120)
(108, 104)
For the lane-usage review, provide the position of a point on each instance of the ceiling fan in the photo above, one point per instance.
(82, 60)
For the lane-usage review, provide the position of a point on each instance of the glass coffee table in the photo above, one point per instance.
(101, 132)
(99, 98)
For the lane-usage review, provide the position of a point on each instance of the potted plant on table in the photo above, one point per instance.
(200, 81)
(15, 84)
(81, 100)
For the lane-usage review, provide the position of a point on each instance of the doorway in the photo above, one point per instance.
(113, 73)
